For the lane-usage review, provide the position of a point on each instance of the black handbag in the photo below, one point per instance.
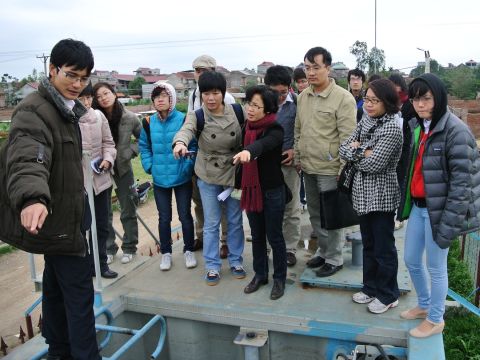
(336, 210)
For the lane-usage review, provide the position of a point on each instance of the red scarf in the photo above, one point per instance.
(252, 197)
(403, 96)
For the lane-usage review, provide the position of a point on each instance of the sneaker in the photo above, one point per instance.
(190, 261)
(377, 307)
(238, 272)
(126, 258)
(109, 259)
(166, 262)
(362, 298)
(291, 258)
(212, 277)
(398, 224)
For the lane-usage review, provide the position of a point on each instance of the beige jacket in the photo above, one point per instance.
(97, 139)
(323, 122)
(219, 141)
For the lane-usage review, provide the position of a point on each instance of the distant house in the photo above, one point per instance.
(239, 79)
(26, 89)
(472, 64)
(339, 70)
(183, 82)
(144, 71)
(262, 68)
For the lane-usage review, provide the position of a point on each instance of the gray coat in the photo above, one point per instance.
(126, 150)
(451, 172)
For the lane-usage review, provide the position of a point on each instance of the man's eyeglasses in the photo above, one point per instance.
(423, 99)
(255, 106)
(72, 78)
(373, 101)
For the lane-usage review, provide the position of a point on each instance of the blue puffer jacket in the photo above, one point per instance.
(157, 156)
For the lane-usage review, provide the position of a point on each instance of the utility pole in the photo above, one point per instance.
(427, 60)
(375, 62)
(45, 58)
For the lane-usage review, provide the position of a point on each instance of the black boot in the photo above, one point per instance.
(277, 290)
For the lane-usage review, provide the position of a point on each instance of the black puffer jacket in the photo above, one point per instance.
(41, 162)
(451, 171)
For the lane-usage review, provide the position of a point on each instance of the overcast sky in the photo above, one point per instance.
(170, 34)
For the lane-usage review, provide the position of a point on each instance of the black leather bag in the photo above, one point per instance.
(336, 210)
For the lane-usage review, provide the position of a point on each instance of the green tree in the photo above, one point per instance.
(435, 68)
(376, 60)
(360, 51)
(135, 86)
(461, 82)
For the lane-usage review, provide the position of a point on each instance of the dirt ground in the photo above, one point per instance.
(18, 291)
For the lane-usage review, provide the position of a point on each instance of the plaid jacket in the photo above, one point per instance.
(375, 185)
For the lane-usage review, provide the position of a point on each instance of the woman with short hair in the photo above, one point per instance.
(218, 141)
(263, 187)
(374, 148)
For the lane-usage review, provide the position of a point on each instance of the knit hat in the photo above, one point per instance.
(204, 61)
(169, 89)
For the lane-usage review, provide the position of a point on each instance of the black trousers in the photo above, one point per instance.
(67, 308)
(380, 260)
(101, 216)
(268, 225)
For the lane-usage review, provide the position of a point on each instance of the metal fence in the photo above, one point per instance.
(470, 254)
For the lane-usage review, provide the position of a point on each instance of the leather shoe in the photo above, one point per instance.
(315, 262)
(197, 244)
(277, 290)
(291, 258)
(254, 285)
(436, 328)
(328, 270)
(223, 251)
(109, 274)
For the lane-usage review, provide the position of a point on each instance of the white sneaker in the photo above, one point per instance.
(377, 307)
(126, 258)
(362, 298)
(109, 259)
(166, 262)
(190, 261)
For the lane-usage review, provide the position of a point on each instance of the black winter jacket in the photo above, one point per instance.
(42, 162)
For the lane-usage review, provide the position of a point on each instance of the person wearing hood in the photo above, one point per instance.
(97, 139)
(374, 148)
(169, 174)
(440, 197)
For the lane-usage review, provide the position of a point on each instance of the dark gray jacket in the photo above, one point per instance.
(451, 172)
(42, 162)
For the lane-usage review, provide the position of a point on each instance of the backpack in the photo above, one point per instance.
(237, 108)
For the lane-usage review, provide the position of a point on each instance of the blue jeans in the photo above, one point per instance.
(267, 225)
(163, 199)
(419, 239)
(212, 210)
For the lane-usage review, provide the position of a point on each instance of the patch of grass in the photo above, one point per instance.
(6, 249)
(461, 335)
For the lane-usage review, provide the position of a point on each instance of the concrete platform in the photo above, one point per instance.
(203, 321)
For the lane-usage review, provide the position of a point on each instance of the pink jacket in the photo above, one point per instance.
(98, 140)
